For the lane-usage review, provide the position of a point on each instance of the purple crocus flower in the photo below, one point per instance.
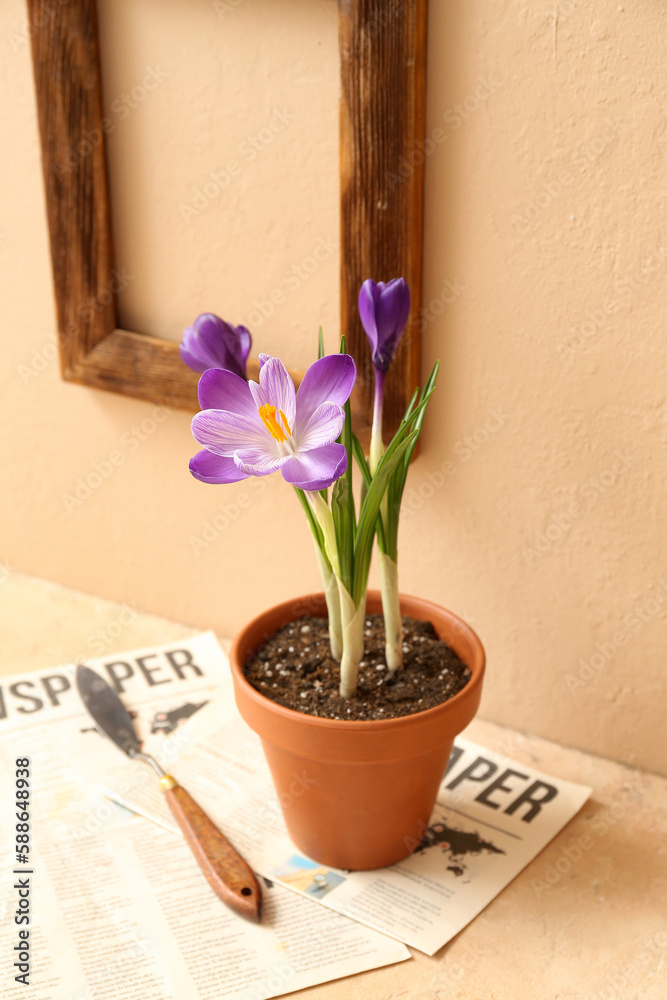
(212, 343)
(250, 429)
(384, 309)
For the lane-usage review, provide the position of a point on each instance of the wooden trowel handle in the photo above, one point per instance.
(226, 872)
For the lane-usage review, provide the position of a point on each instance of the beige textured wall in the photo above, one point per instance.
(536, 507)
(224, 174)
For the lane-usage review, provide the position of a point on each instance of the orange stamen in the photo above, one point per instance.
(268, 414)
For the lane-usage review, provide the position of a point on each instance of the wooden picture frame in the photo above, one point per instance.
(383, 76)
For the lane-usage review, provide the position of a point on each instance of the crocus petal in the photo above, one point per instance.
(210, 468)
(391, 311)
(244, 341)
(223, 432)
(263, 358)
(257, 461)
(317, 469)
(368, 295)
(212, 333)
(256, 393)
(330, 379)
(189, 356)
(275, 388)
(323, 427)
(223, 390)
(278, 387)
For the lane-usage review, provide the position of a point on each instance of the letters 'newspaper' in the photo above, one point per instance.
(116, 908)
(492, 817)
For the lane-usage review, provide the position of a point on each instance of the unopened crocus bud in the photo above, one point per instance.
(212, 343)
(384, 309)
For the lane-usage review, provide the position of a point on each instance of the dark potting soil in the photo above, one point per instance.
(295, 669)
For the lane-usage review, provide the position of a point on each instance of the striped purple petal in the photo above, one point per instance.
(224, 432)
(258, 462)
(275, 388)
(210, 468)
(323, 427)
(223, 390)
(331, 379)
(317, 469)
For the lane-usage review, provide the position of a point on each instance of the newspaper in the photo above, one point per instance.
(492, 817)
(100, 904)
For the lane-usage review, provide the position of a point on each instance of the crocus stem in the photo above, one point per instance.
(332, 584)
(351, 616)
(332, 598)
(377, 448)
(325, 520)
(391, 610)
(353, 641)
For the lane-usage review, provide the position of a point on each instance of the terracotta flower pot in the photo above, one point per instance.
(357, 795)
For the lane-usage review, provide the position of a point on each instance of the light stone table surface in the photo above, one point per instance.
(586, 920)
